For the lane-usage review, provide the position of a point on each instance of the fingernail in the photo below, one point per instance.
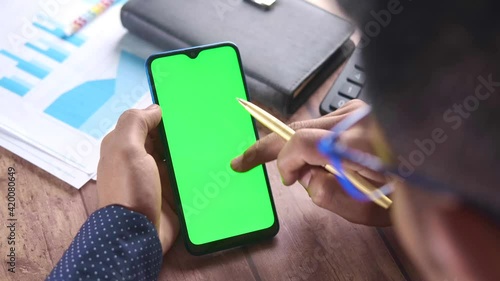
(282, 180)
(236, 163)
(153, 106)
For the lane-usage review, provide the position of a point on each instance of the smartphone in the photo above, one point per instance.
(203, 128)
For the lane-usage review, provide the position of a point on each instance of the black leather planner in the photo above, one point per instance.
(287, 50)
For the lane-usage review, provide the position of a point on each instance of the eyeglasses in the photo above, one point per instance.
(337, 152)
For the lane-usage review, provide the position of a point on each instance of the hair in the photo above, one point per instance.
(427, 68)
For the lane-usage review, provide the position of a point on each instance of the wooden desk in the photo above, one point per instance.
(313, 244)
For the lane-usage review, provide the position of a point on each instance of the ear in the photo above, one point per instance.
(466, 242)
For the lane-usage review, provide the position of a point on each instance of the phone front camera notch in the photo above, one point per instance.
(193, 53)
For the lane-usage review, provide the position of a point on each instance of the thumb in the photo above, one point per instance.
(152, 116)
(135, 124)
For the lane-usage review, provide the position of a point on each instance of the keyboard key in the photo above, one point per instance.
(337, 101)
(356, 76)
(359, 66)
(359, 63)
(350, 90)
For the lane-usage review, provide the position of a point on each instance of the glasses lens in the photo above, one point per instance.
(352, 157)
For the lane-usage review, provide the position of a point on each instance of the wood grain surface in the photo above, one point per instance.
(313, 244)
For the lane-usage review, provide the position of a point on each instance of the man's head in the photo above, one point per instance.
(434, 81)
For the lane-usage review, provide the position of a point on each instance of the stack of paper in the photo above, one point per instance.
(60, 97)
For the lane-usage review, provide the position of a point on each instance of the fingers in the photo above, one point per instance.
(299, 152)
(154, 146)
(150, 146)
(358, 138)
(262, 151)
(166, 188)
(321, 186)
(135, 124)
(169, 227)
(326, 192)
(267, 148)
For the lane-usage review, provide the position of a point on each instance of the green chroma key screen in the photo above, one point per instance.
(205, 128)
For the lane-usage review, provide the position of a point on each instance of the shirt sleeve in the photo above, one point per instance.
(113, 244)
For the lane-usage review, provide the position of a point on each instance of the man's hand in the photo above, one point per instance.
(131, 172)
(299, 160)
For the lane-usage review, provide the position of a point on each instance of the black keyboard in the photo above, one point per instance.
(349, 85)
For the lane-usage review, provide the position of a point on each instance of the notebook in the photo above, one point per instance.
(287, 50)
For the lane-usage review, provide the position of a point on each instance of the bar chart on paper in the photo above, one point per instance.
(85, 104)
(49, 45)
(89, 103)
(60, 95)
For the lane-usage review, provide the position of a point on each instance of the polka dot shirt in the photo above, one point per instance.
(113, 244)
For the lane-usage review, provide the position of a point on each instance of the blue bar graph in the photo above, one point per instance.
(51, 52)
(15, 85)
(74, 39)
(34, 68)
(39, 65)
(130, 80)
(79, 104)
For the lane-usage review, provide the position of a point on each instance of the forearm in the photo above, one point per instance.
(114, 243)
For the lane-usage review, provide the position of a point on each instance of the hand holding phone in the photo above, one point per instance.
(203, 128)
(137, 182)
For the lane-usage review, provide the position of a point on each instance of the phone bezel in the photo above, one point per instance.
(226, 243)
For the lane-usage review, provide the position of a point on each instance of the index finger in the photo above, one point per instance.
(268, 148)
(264, 150)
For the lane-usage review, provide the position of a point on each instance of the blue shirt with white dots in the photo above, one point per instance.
(113, 244)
